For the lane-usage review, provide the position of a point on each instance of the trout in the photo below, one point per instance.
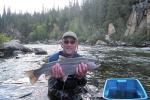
(68, 66)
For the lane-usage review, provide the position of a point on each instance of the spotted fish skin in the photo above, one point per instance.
(68, 66)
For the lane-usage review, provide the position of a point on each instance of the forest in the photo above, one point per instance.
(89, 20)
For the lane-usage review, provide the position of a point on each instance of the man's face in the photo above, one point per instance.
(69, 45)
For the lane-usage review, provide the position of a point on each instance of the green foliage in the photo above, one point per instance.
(138, 39)
(90, 21)
(95, 37)
(3, 38)
(55, 34)
(39, 33)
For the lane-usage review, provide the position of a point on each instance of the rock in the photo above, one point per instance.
(99, 42)
(107, 38)
(1, 54)
(51, 41)
(111, 29)
(12, 47)
(38, 42)
(120, 43)
(17, 52)
(93, 92)
(15, 44)
(39, 51)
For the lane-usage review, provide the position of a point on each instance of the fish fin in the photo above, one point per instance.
(31, 76)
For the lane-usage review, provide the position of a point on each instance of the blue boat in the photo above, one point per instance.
(124, 89)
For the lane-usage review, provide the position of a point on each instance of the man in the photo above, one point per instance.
(61, 87)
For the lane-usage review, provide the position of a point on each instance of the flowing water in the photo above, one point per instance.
(115, 62)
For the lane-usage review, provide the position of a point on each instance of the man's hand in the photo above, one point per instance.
(81, 70)
(57, 71)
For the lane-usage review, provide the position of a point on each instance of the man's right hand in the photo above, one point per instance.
(57, 71)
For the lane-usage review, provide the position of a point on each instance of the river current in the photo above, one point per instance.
(113, 62)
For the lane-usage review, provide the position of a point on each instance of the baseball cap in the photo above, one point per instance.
(70, 34)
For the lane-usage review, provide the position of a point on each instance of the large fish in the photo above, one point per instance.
(68, 66)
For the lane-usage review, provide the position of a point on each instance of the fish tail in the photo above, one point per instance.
(31, 76)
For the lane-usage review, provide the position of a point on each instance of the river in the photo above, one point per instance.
(115, 62)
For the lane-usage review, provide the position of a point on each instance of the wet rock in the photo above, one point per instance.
(99, 42)
(1, 53)
(39, 51)
(120, 43)
(17, 52)
(12, 48)
(93, 93)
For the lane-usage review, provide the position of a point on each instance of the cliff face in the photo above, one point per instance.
(139, 19)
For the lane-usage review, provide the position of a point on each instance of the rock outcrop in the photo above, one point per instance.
(138, 19)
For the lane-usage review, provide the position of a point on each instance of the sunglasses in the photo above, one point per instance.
(67, 42)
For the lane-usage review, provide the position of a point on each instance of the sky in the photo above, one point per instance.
(31, 5)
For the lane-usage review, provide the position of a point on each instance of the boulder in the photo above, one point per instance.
(15, 45)
(39, 51)
(10, 47)
(17, 52)
(120, 43)
(99, 42)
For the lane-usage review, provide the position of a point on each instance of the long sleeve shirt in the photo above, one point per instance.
(72, 81)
